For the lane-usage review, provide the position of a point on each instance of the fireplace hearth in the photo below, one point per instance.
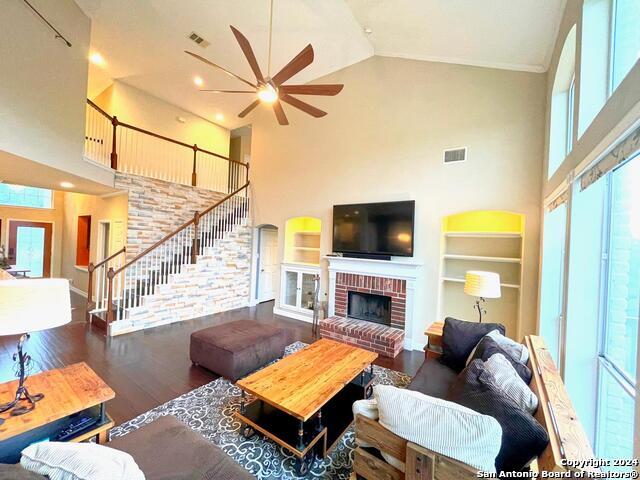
(369, 307)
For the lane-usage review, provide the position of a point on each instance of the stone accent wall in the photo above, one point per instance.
(157, 207)
(394, 288)
(218, 281)
(385, 341)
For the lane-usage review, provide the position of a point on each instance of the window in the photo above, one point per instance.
(83, 240)
(561, 124)
(21, 196)
(626, 39)
(610, 48)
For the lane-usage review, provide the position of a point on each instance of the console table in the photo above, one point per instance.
(69, 392)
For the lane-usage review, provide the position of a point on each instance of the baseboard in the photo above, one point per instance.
(295, 315)
(78, 291)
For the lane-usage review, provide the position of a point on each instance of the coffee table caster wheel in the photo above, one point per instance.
(248, 432)
(302, 467)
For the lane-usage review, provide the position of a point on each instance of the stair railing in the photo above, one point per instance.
(130, 149)
(129, 283)
(100, 287)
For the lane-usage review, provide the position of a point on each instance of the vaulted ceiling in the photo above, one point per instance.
(142, 41)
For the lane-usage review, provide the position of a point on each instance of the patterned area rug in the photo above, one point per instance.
(209, 411)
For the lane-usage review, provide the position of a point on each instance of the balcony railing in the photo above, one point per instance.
(130, 149)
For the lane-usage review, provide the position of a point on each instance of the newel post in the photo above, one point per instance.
(194, 176)
(195, 245)
(110, 317)
(114, 154)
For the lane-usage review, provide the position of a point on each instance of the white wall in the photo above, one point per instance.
(383, 140)
(141, 109)
(43, 85)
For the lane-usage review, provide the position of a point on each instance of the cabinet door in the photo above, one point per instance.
(307, 291)
(290, 293)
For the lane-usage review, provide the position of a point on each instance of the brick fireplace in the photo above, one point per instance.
(370, 304)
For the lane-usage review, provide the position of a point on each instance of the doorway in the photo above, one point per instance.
(267, 263)
(104, 240)
(30, 247)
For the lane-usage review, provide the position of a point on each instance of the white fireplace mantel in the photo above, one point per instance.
(407, 270)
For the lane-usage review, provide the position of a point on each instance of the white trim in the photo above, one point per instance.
(81, 268)
(77, 290)
(520, 67)
(292, 314)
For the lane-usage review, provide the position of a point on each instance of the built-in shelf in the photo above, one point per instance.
(308, 232)
(310, 249)
(461, 280)
(483, 234)
(451, 256)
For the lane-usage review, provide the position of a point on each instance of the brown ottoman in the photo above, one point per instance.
(236, 349)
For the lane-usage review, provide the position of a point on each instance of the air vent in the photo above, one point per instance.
(198, 40)
(454, 155)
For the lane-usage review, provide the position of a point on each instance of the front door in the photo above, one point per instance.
(268, 278)
(30, 247)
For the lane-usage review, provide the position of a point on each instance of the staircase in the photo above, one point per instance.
(200, 268)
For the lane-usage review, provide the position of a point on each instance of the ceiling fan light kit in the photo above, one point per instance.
(271, 90)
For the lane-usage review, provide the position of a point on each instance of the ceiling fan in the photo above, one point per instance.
(271, 89)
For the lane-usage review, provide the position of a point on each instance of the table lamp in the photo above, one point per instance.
(482, 285)
(28, 306)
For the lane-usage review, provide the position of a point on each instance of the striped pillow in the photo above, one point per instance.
(441, 426)
(79, 461)
(501, 373)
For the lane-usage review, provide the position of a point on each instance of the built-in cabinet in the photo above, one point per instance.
(489, 241)
(297, 289)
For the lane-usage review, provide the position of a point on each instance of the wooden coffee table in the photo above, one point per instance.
(303, 402)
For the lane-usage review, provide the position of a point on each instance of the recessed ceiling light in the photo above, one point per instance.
(367, 30)
(219, 117)
(198, 81)
(96, 59)
(66, 184)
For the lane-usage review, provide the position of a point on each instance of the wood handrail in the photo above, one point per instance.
(178, 230)
(111, 257)
(163, 137)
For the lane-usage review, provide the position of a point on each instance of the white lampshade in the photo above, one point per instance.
(32, 305)
(482, 284)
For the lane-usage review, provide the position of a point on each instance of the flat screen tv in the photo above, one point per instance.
(374, 229)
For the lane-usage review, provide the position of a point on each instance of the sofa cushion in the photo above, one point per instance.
(502, 374)
(440, 426)
(433, 378)
(516, 351)
(79, 461)
(487, 347)
(458, 339)
(523, 438)
(166, 449)
(16, 472)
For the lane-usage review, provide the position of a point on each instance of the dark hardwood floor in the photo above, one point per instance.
(149, 367)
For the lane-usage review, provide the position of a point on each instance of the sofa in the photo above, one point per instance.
(380, 451)
(165, 449)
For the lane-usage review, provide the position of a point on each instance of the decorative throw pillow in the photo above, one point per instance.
(79, 461)
(458, 339)
(523, 438)
(440, 426)
(502, 374)
(515, 350)
(369, 409)
(487, 347)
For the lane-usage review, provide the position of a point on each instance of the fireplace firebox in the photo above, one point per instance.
(370, 307)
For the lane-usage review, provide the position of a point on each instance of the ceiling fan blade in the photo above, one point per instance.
(211, 64)
(279, 111)
(228, 91)
(300, 61)
(248, 52)
(329, 89)
(244, 112)
(305, 107)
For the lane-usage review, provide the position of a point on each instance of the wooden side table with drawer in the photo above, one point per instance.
(433, 348)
